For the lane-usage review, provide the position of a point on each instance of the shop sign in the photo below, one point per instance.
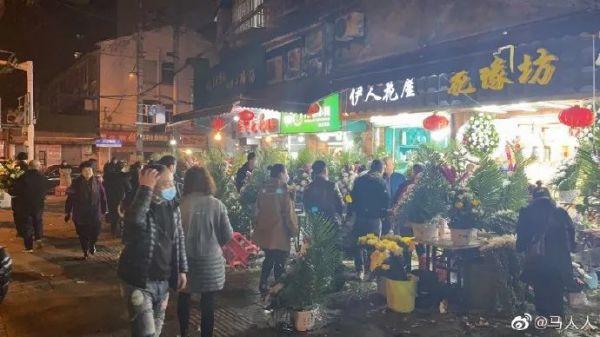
(265, 122)
(237, 73)
(559, 67)
(106, 142)
(326, 120)
(129, 137)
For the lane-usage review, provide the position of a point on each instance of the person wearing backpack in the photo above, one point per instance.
(545, 233)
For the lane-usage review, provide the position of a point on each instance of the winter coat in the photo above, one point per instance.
(370, 197)
(139, 237)
(394, 182)
(30, 189)
(86, 209)
(276, 219)
(240, 176)
(117, 185)
(323, 197)
(542, 219)
(207, 228)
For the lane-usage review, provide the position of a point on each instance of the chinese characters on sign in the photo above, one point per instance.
(496, 76)
(382, 93)
(241, 79)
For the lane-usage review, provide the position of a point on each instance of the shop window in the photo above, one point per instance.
(167, 73)
(152, 112)
(248, 14)
(42, 158)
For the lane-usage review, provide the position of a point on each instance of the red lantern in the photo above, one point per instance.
(272, 124)
(435, 122)
(577, 117)
(218, 124)
(313, 109)
(246, 116)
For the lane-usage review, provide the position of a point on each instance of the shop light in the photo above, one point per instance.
(188, 152)
(268, 139)
(323, 137)
(172, 142)
(500, 109)
(236, 118)
(218, 137)
(300, 139)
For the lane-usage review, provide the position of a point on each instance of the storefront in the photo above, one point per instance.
(524, 87)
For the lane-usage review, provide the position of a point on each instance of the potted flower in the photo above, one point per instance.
(565, 182)
(465, 213)
(313, 275)
(423, 200)
(390, 261)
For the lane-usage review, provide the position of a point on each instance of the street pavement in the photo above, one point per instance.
(55, 294)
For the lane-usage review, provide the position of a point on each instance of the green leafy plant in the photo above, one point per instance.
(428, 197)
(501, 222)
(465, 209)
(313, 275)
(567, 175)
(487, 184)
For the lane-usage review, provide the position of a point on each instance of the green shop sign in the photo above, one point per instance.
(326, 120)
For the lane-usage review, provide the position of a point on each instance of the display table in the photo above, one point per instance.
(444, 255)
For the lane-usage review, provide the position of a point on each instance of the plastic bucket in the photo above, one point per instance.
(424, 232)
(401, 295)
(304, 320)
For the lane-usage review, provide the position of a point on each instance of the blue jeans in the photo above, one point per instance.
(147, 308)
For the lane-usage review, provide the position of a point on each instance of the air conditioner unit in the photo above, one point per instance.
(350, 26)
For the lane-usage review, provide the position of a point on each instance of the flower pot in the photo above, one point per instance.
(400, 295)
(425, 232)
(463, 237)
(568, 197)
(304, 320)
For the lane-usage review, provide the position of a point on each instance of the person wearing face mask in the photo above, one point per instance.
(86, 204)
(154, 257)
(276, 223)
(322, 196)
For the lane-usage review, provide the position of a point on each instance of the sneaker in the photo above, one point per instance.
(28, 251)
(93, 249)
(38, 244)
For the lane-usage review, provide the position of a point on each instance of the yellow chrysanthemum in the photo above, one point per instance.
(385, 267)
(348, 198)
(459, 205)
(476, 202)
(377, 259)
(398, 252)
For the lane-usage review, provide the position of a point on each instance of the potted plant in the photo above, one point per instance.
(314, 275)
(390, 261)
(465, 213)
(424, 199)
(565, 182)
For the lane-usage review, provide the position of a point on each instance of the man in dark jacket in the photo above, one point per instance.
(322, 196)
(31, 189)
(21, 163)
(370, 203)
(545, 233)
(244, 171)
(171, 163)
(117, 185)
(154, 256)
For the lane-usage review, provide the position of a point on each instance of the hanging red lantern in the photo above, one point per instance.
(313, 109)
(577, 117)
(218, 124)
(272, 124)
(435, 122)
(246, 116)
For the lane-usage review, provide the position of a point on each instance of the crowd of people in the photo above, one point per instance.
(173, 228)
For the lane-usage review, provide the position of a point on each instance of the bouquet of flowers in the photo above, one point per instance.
(465, 209)
(9, 172)
(389, 255)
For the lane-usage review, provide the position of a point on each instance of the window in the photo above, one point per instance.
(152, 112)
(167, 73)
(248, 14)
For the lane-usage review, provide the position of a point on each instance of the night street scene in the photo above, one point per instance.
(326, 168)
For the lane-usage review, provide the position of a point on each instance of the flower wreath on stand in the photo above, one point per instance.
(481, 137)
(9, 173)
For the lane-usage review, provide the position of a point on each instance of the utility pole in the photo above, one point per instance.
(139, 58)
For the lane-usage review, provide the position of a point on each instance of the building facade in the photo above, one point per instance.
(97, 98)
